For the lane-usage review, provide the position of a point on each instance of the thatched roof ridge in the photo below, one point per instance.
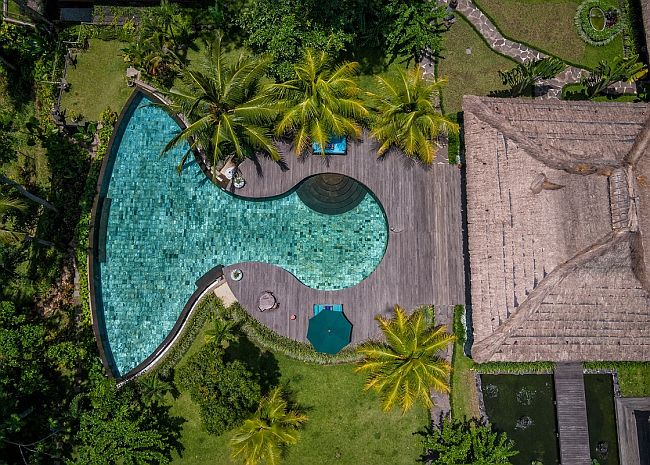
(552, 200)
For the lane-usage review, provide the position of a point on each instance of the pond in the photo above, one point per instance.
(601, 416)
(522, 406)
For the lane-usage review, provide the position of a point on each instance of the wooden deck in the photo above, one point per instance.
(572, 414)
(626, 425)
(423, 263)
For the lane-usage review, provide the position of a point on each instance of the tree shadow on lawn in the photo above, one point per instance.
(262, 363)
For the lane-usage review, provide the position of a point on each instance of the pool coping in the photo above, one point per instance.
(204, 283)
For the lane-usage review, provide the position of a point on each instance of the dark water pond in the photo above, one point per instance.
(522, 406)
(601, 417)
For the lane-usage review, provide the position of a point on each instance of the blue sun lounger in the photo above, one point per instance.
(329, 307)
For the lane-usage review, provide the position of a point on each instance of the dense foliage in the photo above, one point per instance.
(120, 427)
(225, 391)
(403, 369)
(621, 68)
(469, 442)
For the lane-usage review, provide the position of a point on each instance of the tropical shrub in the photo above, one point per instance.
(468, 442)
(403, 369)
(225, 392)
(621, 68)
(524, 76)
(116, 427)
(613, 22)
(264, 437)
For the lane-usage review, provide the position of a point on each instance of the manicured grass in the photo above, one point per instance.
(346, 424)
(634, 380)
(98, 81)
(548, 25)
(468, 74)
(464, 396)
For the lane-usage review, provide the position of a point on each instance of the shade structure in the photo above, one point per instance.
(329, 331)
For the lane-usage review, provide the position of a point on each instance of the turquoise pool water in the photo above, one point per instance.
(165, 231)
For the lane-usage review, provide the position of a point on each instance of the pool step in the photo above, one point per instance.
(331, 194)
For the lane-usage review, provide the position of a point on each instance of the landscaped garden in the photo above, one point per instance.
(254, 80)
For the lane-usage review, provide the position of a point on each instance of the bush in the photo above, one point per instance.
(592, 35)
(226, 392)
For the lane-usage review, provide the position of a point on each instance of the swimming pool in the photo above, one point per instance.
(164, 231)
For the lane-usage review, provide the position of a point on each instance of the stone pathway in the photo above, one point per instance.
(548, 89)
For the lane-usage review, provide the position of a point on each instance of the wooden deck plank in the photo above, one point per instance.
(423, 263)
(572, 414)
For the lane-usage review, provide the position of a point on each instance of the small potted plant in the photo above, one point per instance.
(236, 274)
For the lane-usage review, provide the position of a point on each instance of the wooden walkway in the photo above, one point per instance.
(572, 414)
(423, 263)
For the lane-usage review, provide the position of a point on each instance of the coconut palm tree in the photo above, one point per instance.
(222, 332)
(272, 428)
(319, 103)
(224, 108)
(406, 114)
(403, 369)
(153, 389)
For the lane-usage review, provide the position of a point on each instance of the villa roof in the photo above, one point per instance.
(557, 195)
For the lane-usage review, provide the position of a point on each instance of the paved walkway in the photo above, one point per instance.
(551, 88)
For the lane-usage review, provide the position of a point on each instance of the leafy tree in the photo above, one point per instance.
(522, 77)
(607, 73)
(283, 28)
(413, 26)
(403, 369)
(406, 115)
(470, 442)
(226, 392)
(115, 427)
(225, 112)
(264, 436)
(320, 102)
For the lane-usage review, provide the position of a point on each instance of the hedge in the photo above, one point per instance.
(518, 368)
(266, 338)
(587, 32)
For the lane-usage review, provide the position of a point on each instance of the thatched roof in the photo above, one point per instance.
(555, 197)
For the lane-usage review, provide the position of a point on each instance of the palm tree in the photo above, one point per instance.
(226, 114)
(222, 332)
(407, 117)
(403, 369)
(319, 103)
(153, 389)
(272, 428)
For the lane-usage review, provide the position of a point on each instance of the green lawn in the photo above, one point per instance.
(346, 425)
(548, 25)
(635, 380)
(99, 80)
(468, 74)
(464, 397)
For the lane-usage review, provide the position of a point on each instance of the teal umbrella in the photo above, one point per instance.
(329, 331)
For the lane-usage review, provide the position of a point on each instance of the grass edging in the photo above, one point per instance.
(268, 339)
(633, 377)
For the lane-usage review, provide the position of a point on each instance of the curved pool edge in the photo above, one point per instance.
(97, 317)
